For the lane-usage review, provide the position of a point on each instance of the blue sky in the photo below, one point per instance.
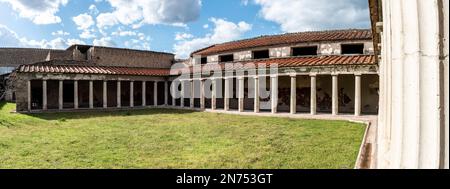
(176, 26)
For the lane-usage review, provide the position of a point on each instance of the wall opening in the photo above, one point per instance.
(284, 94)
(352, 48)
(369, 94)
(52, 94)
(68, 94)
(112, 93)
(324, 93)
(226, 58)
(203, 60)
(262, 54)
(304, 51)
(125, 93)
(98, 94)
(137, 93)
(83, 94)
(149, 94)
(160, 91)
(346, 94)
(36, 94)
(303, 94)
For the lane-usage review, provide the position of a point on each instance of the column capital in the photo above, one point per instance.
(274, 76)
(293, 75)
(358, 74)
(313, 75)
(241, 78)
(334, 74)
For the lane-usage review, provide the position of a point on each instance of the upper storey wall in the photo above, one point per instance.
(129, 58)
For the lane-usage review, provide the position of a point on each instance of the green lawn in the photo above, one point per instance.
(163, 138)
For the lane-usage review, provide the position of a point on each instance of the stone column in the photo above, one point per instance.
(119, 91)
(44, 94)
(192, 94)
(29, 94)
(293, 94)
(75, 94)
(241, 94)
(132, 94)
(105, 94)
(357, 94)
(60, 95)
(313, 100)
(155, 93)
(256, 103)
(144, 90)
(214, 94)
(226, 99)
(91, 94)
(335, 96)
(274, 95)
(202, 94)
(182, 93)
(172, 87)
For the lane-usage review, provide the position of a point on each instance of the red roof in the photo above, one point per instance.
(299, 62)
(289, 38)
(83, 69)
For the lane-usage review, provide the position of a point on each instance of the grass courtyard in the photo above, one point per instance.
(162, 138)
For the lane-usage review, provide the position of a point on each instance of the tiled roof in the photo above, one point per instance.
(83, 69)
(289, 38)
(301, 61)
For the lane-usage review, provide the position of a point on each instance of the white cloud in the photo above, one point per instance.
(93, 10)
(137, 44)
(206, 26)
(87, 34)
(122, 33)
(140, 12)
(83, 21)
(223, 31)
(104, 42)
(183, 36)
(60, 33)
(303, 15)
(38, 11)
(9, 38)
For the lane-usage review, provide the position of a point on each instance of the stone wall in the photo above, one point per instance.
(130, 58)
(14, 57)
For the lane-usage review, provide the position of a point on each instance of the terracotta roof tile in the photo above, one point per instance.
(289, 38)
(74, 69)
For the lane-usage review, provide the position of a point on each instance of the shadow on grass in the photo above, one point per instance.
(107, 113)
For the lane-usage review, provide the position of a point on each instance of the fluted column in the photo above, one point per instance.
(105, 94)
(202, 94)
(60, 95)
(144, 91)
(132, 94)
(183, 89)
(44, 94)
(119, 94)
(241, 94)
(191, 102)
(155, 92)
(293, 94)
(29, 95)
(256, 100)
(75, 95)
(335, 96)
(226, 100)
(357, 94)
(274, 94)
(173, 92)
(214, 94)
(313, 97)
(91, 94)
(166, 93)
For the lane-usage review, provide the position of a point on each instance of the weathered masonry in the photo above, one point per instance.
(332, 72)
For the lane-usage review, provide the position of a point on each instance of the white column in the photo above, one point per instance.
(119, 95)
(313, 97)
(202, 94)
(144, 90)
(155, 93)
(413, 115)
(192, 94)
(183, 90)
(357, 94)
(75, 94)
(226, 99)
(105, 94)
(91, 94)
(214, 94)
(256, 103)
(293, 94)
(335, 95)
(166, 93)
(60, 95)
(274, 95)
(131, 94)
(241, 94)
(44, 94)
(173, 89)
(29, 94)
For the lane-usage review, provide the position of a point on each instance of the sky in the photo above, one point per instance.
(174, 26)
